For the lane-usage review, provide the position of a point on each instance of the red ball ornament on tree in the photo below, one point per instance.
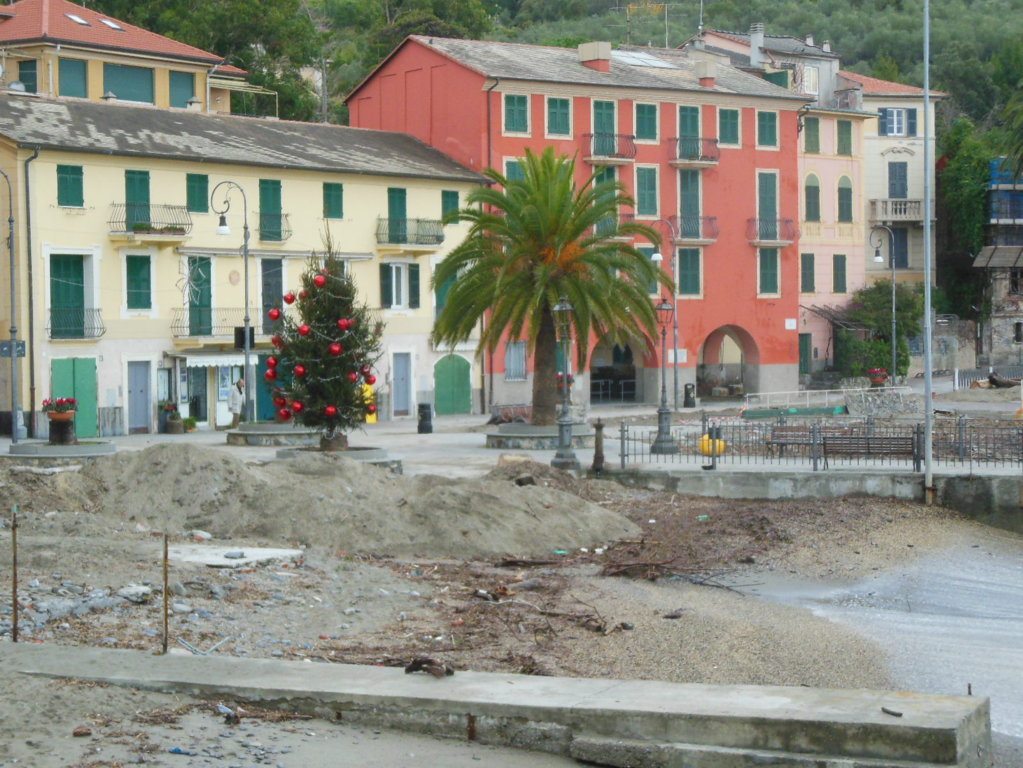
(371, 408)
(298, 406)
(330, 411)
(270, 375)
(302, 294)
(343, 324)
(335, 349)
(371, 379)
(277, 340)
(303, 330)
(280, 402)
(289, 298)
(271, 362)
(300, 371)
(353, 376)
(284, 414)
(319, 281)
(274, 314)
(366, 370)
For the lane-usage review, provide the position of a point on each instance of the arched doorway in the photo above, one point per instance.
(729, 358)
(452, 388)
(612, 373)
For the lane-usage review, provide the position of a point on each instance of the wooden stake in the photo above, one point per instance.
(14, 571)
(165, 591)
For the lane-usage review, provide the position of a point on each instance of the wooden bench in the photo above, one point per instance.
(786, 435)
(871, 445)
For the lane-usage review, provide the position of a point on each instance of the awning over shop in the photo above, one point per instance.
(215, 360)
(836, 316)
(999, 256)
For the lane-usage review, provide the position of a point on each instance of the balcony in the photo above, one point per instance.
(1011, 234)
(146, 222)
(771, 233)
(273, 227)
(75, 323)
(217, 322)
(410, 234)
(694, 152)
(609, 149)
(606, 225)
(894, 210)
(694, 230)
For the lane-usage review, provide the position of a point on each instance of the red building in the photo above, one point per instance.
(709, 153)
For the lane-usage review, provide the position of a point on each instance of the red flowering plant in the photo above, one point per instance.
(60, 404)
(562, 379)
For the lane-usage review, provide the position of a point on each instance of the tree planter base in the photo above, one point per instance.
(62, 428)
(175, 427)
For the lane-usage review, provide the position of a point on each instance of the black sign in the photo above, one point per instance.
(5, 349)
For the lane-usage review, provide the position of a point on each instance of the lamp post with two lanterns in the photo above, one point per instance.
(565, 457)
(664, 443)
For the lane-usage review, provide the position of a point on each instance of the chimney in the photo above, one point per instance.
(756, 45)
(809, 39)
(706, 71)
(595, 56)
(826, 45)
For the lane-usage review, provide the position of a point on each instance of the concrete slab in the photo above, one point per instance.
(648, 723)
(217, 557)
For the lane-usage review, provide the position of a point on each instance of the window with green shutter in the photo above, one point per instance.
(728, 126)
(648, 251)
(27, 74)
(516, 113)
(778, 78)
(513, 170)
(197, 192)
(646, 191)
(806, 273)
(646, 122)
(768, 258)
(70, 190)
(812, 135)
(333, 200)
(440, 293)
(845, 137)
(558, 122)
(138, 282)
(128, 83)
(845, 200)
(73, 78)
(838, 273)
(767, 129)
(182, 88)
(812, 199)
(448, 201)
(270, 218)
(689, 277)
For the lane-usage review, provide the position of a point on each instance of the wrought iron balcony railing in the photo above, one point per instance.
(694, 150)
(75, 323)
(606, 226)
(771, 230)
(410, 231)
(149, 218)
(217, 321)
(274, 227)
(703, 228)
(609, 148)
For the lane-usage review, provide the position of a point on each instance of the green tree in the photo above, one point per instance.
(533, 240)
(1013, 126)
(872, 307)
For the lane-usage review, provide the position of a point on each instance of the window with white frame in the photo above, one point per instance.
(399, 285)
(516, 113)
(515, 361)
(810, 80)
(896, 122)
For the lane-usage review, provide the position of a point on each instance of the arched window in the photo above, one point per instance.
(812, 196)
(845, 200)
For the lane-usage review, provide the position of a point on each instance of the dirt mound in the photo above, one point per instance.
(319, 499)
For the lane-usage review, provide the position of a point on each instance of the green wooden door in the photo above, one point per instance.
(605, 127)
(767, 205)
(270, 218)
(397, 215)
(200, 296)
(76, 377)
(451, 386)
(265, 408)
(805, 352)
(689, 203)
(689, 132)
(67, 296)
(136, 199)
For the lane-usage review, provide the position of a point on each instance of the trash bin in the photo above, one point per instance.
(689, 398)
(425, 419)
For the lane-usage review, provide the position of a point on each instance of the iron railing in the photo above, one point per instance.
(695, 149)
(610, 146)
(149, 218)
(410, 231)
(695, 227)
(213, 321)
(771, 230)
(606, 226)
(75, 323)
(274, 227)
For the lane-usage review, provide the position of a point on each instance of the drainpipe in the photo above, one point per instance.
(209, 74)
(488, 394)
(31, 425)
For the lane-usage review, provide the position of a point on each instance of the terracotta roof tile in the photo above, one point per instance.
(873, 86)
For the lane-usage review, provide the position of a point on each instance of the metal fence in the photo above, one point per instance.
(818, 446)
(962, 378)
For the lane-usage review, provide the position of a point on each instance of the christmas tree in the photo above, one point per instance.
(326, 347)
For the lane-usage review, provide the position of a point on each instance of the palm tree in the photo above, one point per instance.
(533, 240)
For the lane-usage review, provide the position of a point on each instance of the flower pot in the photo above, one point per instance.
(175, 427)
(61, 415)
(878, 381)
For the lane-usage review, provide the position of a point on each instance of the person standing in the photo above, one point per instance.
(236, 402)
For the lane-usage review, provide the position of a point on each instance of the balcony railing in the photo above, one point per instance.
(692, 151)
(609, 148)
(771, 231)
(214, 321)
(410, 231)
(75, 323)
(896, 210)
(606, 226)
(149, 219)
(695, 228)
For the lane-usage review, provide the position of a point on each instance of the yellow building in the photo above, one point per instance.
(129, 297)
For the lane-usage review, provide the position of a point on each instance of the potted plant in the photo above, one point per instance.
(167, 411)
(877, 376)
(60, 409)
(564, 381)
(190, 424)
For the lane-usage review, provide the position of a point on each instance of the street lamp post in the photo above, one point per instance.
(565, 457)
(658, 257)
(664, 443)
(878, 259)
(224, 229)
(14, 314)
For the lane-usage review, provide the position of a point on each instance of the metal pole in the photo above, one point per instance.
(14, 312)
(895, 370)
(928, 361)
(663, 442)
(14, 572)
(166, 598)
(565, 457)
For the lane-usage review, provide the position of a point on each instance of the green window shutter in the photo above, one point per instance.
(767, 196)
(70, 187)
(806, 273)
(128, 83)
(397, 216)
(516, 113)
(604, 120)
(882, 122)
(270, 219)
(182, 88)
(689, 271)
(646, 191)
(441, 292)
(139, 283)
(768, 270)
(688, 122)
(646, 121)
(333, 200)
(197, 196)
(689, 192)
(558, 117)
(812, 135)
(911, 122)
(136, 199)
(812, 195)
(448, 201)
(838, 273)
(73, 78)
(845, 200)
(845, 137)
(413, 286)
(778, 78)
(513, 171)
(27, 74)
(767, 129)
(648, 251)
(728, 126)
(385, 286)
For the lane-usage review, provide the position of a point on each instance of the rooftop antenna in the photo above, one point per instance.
(649, 8)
